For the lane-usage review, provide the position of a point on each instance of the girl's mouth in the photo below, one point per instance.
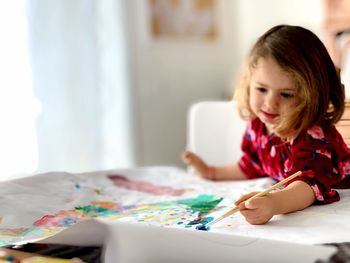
(269, 117)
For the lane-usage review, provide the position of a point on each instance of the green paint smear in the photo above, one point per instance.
(93, 211)
(202, 203)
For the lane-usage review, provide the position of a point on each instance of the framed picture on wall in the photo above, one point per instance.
(183, 20)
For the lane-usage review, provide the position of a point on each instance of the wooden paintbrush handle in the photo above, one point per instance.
(262, 193)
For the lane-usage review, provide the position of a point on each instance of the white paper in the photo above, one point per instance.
(26, 200)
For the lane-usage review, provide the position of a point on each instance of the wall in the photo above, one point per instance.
(168, 77)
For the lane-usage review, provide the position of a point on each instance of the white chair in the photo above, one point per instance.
(214, 132)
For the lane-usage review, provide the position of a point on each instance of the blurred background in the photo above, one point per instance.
(101, 84)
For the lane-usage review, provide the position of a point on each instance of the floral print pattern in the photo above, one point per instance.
(320, 153)
(316, 132)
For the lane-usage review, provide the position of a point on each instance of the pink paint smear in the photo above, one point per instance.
(143, 186)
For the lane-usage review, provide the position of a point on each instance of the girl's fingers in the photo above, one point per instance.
(244, 198)
(187, 157)
(256, 216)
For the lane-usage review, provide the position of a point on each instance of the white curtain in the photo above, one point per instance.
(18, 106)
(80, 77)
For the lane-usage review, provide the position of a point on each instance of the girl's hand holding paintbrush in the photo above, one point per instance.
(259, 210)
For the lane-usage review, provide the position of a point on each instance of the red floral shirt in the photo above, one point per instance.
(320, 153)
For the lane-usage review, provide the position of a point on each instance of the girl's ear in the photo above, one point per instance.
(338, 71)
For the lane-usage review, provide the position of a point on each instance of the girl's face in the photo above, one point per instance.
(272, 92)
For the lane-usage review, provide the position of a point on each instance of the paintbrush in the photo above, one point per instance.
(236, 209)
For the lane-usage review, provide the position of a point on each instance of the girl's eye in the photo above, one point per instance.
(262, 90)
(287, 95)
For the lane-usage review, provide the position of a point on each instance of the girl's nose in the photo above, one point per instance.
(271, 101)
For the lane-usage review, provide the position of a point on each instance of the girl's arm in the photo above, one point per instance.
(296, 196)
(230, 172)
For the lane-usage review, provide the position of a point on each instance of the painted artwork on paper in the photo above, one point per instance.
(162, 196)
(175, 213)
(184, 19)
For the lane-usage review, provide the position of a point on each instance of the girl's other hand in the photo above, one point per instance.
(200, 167)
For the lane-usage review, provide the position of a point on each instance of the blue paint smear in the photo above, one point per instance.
(203, 227)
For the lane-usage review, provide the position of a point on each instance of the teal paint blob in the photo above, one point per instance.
(203, 226)
(201, 223)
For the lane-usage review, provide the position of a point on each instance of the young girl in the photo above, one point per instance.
(292, 96)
